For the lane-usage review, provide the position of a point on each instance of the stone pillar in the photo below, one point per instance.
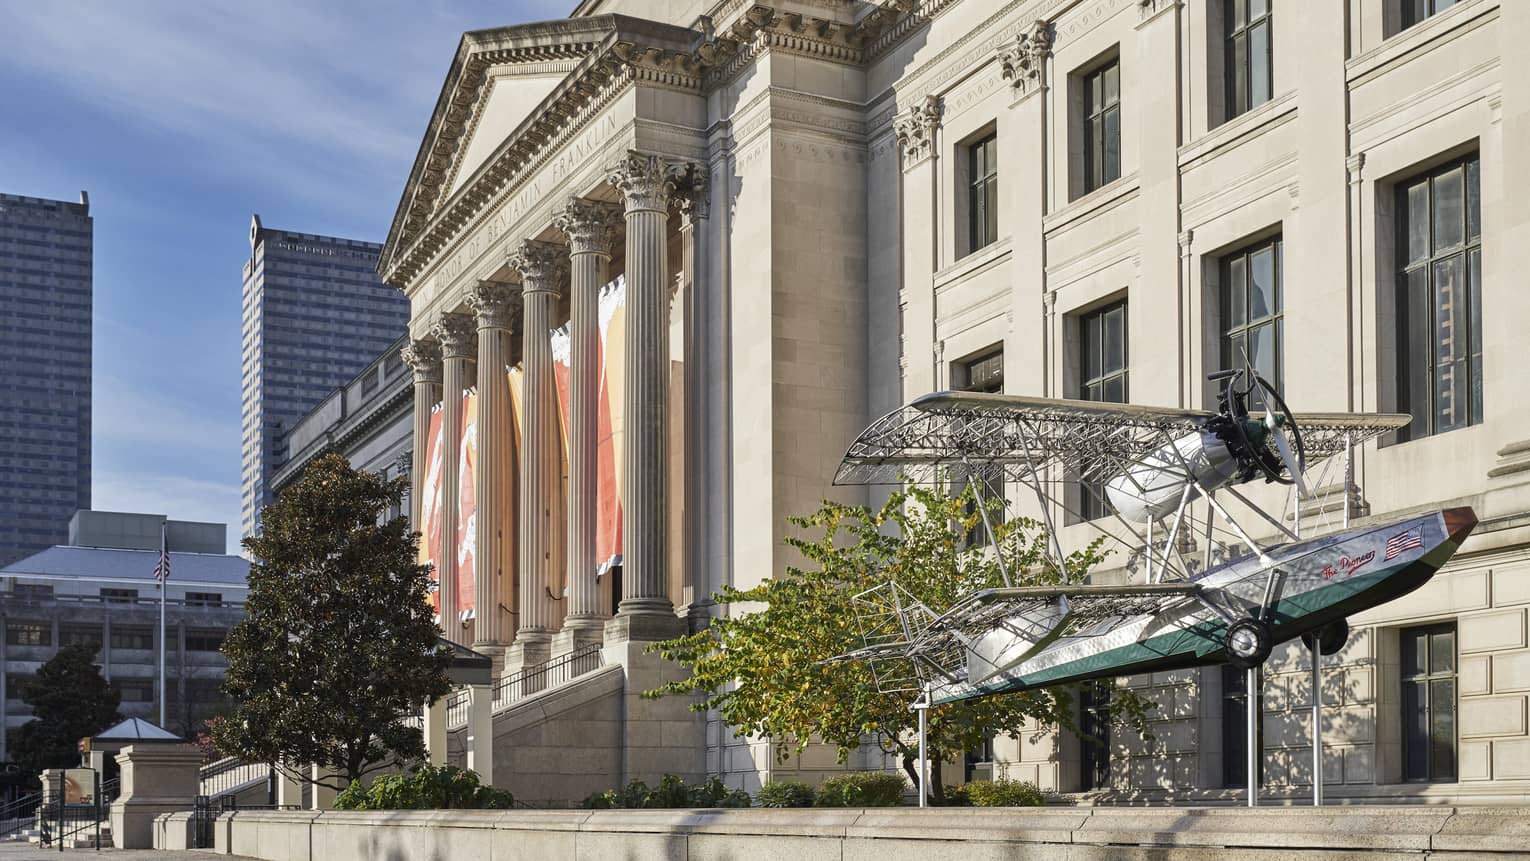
(540, 266)
(322, 797)
(289, 790)
(695, 207)
(434, 728)
(495, 305)
(424, 356)
(480, 733)
(916, 130)
(589, 226)
(456, 334)
(646, 610)
(155, 779)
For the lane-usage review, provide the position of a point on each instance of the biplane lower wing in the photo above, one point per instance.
(1311, 584)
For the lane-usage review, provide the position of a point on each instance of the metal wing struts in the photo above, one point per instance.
(907, 645)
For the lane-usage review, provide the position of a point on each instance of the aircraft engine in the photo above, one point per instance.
(1151, 489)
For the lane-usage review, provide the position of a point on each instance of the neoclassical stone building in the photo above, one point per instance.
(824, 208)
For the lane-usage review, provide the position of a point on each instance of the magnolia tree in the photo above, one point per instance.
(338, 642)
(763, 667)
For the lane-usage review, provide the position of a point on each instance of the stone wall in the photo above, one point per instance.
(851, 835)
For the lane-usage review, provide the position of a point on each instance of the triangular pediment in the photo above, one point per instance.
(496, 80)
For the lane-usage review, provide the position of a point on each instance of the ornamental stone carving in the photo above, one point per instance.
(915, 130)
(1023, 62)
(645, 181)
(696, 198)
(539, 263)
(494, 303)
(458, 335)
(423, 356)
(589, 225)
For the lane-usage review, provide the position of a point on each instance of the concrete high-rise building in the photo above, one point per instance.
(45, 302)
(315, 315)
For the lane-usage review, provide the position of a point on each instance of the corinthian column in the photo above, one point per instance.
(646, 610)
(494, 304)
(700, 362)
(456, 334)
(423, 355)
(540, 265)
(589, 226)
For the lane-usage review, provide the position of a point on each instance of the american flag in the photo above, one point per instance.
(162, 570)
(1403, 541)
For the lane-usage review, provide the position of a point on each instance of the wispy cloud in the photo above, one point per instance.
(178, 497)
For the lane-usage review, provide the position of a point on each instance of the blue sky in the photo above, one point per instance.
(182, 119)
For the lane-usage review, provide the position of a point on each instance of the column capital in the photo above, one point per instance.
(458, 335)
(695, 199)
(645, 181)
(539, 263)
(915, 130)
(494, 303)
(1023, 61)
(590, 225)
(423, 356)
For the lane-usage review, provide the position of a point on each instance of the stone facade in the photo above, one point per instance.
(853, 203)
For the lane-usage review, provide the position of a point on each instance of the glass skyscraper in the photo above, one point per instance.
(46, 249)
(315, 315)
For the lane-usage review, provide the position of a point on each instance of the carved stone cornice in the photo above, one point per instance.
(590, 225)
(540, 264)
(695, 198)
(646, 181)
(494, 303)
(1023, 61)
(423, 356)
(458, 335)
(915, 130)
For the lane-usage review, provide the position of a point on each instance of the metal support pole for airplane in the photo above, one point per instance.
(1317, 722)
(922, 705)
(1252, 690)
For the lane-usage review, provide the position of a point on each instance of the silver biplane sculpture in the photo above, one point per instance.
(1231, 602)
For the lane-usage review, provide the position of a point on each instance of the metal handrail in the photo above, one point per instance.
(549, 674)
(230, 773)
(457, 703)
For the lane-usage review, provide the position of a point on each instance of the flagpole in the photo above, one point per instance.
(164, 551)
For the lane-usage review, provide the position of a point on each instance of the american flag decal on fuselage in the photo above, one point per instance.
(1404, 541)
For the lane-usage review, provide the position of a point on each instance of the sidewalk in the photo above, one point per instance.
(28, 852)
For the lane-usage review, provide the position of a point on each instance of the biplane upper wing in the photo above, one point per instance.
(1016, 434)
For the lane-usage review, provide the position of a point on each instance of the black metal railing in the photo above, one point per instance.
(19, 814)
(205, 811)
(546, 675)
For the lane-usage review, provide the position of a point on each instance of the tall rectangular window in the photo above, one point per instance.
(1094, 724)
(1414, 11)
(1439, 299)
(1252, 319)
(1102, 126)
(984, 373)
(1103, 369)
(982, 193)
(1429, 702)
(1249, 61)
(1235, 706)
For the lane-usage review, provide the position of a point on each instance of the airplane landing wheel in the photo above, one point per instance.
(1248, 643)
(1331, 637)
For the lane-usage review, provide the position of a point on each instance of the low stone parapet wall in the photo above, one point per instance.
(1056, 834)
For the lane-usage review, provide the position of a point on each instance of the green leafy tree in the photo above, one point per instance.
(763, 668)
(70, 699)
(338, 642)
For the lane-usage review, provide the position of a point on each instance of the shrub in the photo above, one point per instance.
(956, 796)
(785, 793)
(672, 792)
(424, 787)
(1005, 793)
(861, 789)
